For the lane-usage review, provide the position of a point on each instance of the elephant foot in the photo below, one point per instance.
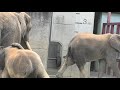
(59, 75)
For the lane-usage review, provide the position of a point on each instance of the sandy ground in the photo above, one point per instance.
(52, 73)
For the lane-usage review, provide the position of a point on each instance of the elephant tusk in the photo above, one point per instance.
(28, 45)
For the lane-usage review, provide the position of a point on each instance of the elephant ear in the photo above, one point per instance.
(25, 22)
(115, 42)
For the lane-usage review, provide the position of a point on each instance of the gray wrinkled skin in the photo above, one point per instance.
(14, 28)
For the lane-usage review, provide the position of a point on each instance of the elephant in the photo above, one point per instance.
(86, 47)
(14, 28)
(21, 63)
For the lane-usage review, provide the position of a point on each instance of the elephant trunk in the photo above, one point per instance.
(28, 45)
(25, 44)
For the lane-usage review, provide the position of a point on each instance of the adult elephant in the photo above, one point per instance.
(21, 63)
(14, 28)
(90, 47)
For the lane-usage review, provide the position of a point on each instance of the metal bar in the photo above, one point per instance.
(112, 29)
(116, 23)
(103, 29)
(108, 29)
(108, 17)
(52, 58)
(118, 31)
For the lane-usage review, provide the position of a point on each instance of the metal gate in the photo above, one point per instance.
(110, 28)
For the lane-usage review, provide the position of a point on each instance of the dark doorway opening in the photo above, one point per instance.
(96, 22)
(54, 55)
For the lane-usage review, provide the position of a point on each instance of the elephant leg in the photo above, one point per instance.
(28, 45)
(83, 73)
(5, 74)
(41, 73)
(113, 64)
(66, 63)
(102, 68)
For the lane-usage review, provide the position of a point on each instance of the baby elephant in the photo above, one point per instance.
(21, 63)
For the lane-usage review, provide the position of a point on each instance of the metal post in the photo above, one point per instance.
(108, 17)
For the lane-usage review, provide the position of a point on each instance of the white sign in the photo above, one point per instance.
(84, 22)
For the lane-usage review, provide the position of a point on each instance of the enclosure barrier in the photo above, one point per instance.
(109, 28)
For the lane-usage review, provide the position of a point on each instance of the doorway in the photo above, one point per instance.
(54, 58)
(54, 55)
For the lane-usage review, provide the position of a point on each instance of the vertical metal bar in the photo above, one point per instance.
(108, 29)
(118, 31)
(103, 29)
(112, 29)
(108, 17)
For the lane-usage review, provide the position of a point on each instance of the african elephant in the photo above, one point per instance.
(21, 63)
(14, 28)
(85, 47)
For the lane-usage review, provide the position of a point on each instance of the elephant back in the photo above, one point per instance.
(19, 66)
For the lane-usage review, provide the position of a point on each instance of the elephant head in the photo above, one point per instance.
(115, 42)
(25, 22)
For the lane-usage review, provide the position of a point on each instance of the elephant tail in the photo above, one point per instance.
(69, 53)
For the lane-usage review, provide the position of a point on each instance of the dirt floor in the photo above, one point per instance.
(52, 73)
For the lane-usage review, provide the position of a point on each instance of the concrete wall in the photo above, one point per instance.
(65, 25)
(39, 35)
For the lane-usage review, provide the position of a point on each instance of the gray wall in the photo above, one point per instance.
(39, 35)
